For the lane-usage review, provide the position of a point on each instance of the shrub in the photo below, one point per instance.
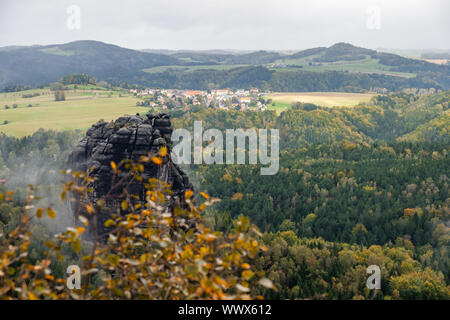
(60, 95)
(150, 251)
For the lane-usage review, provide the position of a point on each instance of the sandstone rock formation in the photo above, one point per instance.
(129, 137)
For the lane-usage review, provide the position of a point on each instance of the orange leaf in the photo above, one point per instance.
(188, 194)
(157, 160)
(245, 266)
(89, 208)
(204, 195)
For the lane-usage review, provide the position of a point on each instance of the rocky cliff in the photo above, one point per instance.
(129, 137)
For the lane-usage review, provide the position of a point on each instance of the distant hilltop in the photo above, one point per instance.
(315, 69)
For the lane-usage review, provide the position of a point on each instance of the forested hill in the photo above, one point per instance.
(389, 118)
(293, 81)
(341, 67)
(39, 65)
(356, 186)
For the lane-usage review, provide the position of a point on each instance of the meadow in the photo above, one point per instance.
(81, 109)
(367, 65)
(194, 68)
(284, 100)
(88, 104)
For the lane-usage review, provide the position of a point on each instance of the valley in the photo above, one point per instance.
(361, 173)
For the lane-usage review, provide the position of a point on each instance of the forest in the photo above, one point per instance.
(356, 186)
(293, 81)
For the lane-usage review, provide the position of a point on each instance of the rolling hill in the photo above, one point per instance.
(341, 67)
(37, 65)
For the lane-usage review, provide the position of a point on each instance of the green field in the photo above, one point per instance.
(194, 68)
(88, 104)
(284, 100)
(80, 110)
(365, 65)
(368, 65)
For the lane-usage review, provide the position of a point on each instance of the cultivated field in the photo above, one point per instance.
(80, 110)
(87, 105)
(283, 100)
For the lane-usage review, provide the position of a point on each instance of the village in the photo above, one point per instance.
(227, 99)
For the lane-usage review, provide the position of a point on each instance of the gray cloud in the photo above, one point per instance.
(231, 24)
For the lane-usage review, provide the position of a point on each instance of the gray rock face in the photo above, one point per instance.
(129, 137)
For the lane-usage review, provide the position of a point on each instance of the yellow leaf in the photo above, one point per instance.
(124, 205)
(31, 296)
(51, 213)
(39, 212)
(109, 223)
(76, 245)
(49, 244)
(163, 152)
(237, 196)
(247, 274)
(204, 195)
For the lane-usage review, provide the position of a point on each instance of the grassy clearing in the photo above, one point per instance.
(194, 68)
(57, 51)
(367, 65)
(279, 106)
(362, 66)
(79, 111)
(284, 100)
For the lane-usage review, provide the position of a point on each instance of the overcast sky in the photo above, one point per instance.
(229, 24)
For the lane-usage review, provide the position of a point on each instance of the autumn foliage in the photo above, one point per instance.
(150, 251)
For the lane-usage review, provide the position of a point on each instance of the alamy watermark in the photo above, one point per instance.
(374, 280)
(74, 279)
(373, 21)
(235, 147)
(73, 21)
